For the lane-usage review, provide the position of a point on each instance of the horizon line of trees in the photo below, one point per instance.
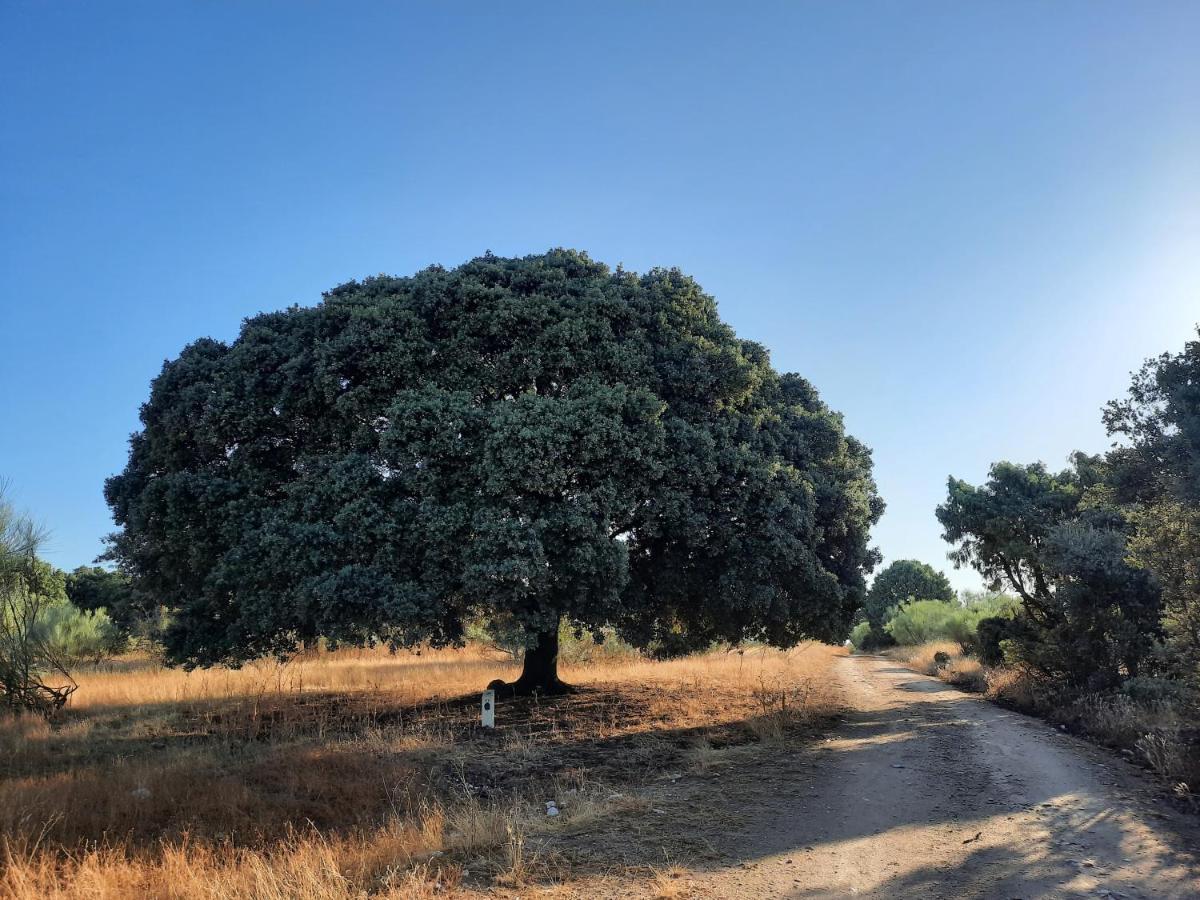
(1102, 557)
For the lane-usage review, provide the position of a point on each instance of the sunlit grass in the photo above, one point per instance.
(361, 771)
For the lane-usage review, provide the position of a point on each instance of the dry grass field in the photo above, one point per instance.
(363, 773)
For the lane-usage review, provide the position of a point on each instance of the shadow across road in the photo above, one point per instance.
(924, 791)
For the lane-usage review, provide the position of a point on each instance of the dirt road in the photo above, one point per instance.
(926, 792)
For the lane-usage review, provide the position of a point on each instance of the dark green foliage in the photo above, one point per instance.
(1156, 473)
(1160, 421)
(1105, 555)
(875, 639)
(901, 581)
(540, 439)
(859, 635)
(1087, 615)
(91, 588)
(672, 644)
(1148, 690)
(989, 634)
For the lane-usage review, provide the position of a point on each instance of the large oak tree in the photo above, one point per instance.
(539, 438)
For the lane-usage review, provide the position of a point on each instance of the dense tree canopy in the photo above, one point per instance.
(91, 589)
(1156, 473)
(1087, 614)
(540, 438)
(901, 581)
(1160, 422)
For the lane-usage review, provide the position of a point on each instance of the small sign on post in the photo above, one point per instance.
(488, 713)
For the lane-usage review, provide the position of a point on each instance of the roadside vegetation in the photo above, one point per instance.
(1151, 720)
(1103, 556)
(1100, 630)
(42, 634)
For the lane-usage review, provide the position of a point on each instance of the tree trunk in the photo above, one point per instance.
(539, 672)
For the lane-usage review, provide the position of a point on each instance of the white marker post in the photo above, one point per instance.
(488, 714)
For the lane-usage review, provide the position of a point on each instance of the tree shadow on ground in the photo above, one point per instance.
(917, 786)
(248, 771)
(708, 794)
(927, 687)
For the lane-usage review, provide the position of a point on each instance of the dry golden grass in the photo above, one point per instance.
(357, 773)
(966, 673)
(668, 883)
(405, 676)
(955, 668)
(921, 657)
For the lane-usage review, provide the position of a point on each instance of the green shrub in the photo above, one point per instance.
(858, 635)
(498, 632)
(41, 634)
(991, 632)
(1158, 690)
(923, 621)
(93, 589)
(866, 638)
(991, 603)
(574, 648)
(77, 635)
(581, 648)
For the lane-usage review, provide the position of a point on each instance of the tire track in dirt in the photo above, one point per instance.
(927, 792)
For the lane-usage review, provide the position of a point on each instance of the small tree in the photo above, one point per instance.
(902, 581)
(537, 440)
(33, 674)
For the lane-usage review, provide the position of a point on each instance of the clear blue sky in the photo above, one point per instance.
(965, 222)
